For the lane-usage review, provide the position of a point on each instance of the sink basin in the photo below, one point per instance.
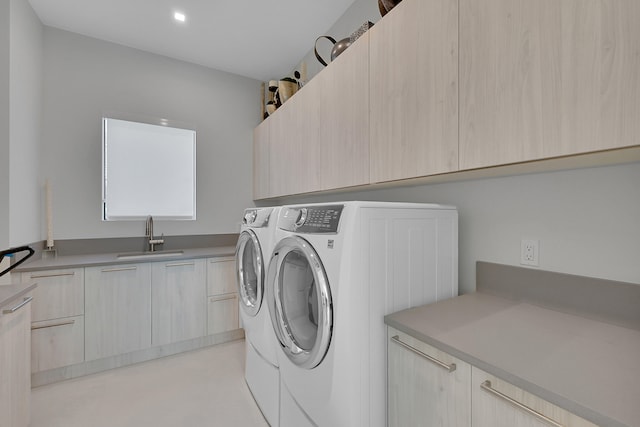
(145, 255)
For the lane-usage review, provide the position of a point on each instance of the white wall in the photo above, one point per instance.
(86, 78)
(25, 123)
(5, 172)
(587, 220)
(20, 122)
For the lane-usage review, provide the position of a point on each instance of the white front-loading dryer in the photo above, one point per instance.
(336, 270)
(253, 250)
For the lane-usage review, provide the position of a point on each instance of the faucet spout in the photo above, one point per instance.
(149, 234)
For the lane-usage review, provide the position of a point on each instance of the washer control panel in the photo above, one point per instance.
(313, 219)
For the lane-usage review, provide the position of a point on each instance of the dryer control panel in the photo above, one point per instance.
(257, 218)
(312, 219)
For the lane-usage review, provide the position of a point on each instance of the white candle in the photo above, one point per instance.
(49, 212)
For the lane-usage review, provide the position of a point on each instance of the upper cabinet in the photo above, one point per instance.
(414, 91)
(441, 86)
(343, 95)
(547, 78)
(319, 139)
(293, 145)
(261, 161)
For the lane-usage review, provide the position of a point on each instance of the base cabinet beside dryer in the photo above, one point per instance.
(426, 387)
(424, 391)
(222, 296)
(497, 403)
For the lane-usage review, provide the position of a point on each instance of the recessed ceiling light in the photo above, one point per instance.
(179, 16)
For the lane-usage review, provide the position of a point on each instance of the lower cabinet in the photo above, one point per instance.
(178, 301)
(57, 343)
(85, 314)
(57, 328)
(428, 387)
(222, 299)
(222, 311)
(117, 309)
(497, 403)
(15, 375)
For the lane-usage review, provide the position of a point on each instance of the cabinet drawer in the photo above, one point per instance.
(222, 313)
(497, 403)
(56, 343)
(60, 293)
(221, 276)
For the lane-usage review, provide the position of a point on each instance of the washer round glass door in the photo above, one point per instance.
(300, 302)
(250, 272)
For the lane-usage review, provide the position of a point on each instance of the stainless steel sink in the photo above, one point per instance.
(146, 255)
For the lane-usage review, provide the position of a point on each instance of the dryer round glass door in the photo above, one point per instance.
(299, 299)
(250, 272)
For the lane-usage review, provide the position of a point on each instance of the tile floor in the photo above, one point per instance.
(202, 388)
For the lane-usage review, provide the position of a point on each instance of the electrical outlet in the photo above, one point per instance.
(529, 252)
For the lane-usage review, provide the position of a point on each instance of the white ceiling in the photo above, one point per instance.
(261, 39)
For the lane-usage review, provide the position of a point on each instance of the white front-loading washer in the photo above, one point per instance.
(334, 273)
(253, 250)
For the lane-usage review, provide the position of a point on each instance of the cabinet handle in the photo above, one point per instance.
(180, 264)
(53, 325)
(40, 276)
(24, 302)
(223, 298)
(450, 368)
(217, 261)
(486, 386)
(110, 270)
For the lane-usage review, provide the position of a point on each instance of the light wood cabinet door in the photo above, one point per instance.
(422, 392)
(414, 90)
(497, 403)
(221, 276)
(222, 302)
(222, 313)
(15, 372)
(341, 132)
(178, 299)
(60, 293)
(261, 168)
(294, 165)
(56, 343)
(319, 138)
(117, 309)
(547, 78)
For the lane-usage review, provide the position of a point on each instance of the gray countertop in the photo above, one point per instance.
(8, 293)
(75, 261)
(586, 366)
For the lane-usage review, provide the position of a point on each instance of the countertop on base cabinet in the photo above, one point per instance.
(585, 366)
(10, 292)
(103, 259)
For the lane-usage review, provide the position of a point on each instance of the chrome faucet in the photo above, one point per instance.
(149, 233)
